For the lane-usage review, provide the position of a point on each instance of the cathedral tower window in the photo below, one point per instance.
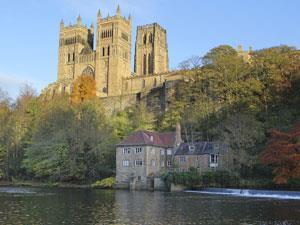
(108, 50)
(73, 56)
(150, 68)
(151, 38)
(69, 57)
(103, 51)
(145, 39)
(145, 64)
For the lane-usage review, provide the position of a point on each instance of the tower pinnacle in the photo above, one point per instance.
(62, 24)
(99, 14)
(79, 20)
(118, 11)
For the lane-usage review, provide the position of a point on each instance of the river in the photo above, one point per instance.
(44, 206)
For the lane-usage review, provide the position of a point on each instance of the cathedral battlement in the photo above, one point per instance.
(151, 26)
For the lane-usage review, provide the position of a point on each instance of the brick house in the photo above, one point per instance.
(143, 156)
(204, 156)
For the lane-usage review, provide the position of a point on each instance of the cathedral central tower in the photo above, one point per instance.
(113, 49)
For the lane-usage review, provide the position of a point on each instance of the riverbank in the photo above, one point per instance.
(43, 184)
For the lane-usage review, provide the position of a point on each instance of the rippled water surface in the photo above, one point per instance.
(26, 206)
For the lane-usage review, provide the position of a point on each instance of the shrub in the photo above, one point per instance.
(105, 183)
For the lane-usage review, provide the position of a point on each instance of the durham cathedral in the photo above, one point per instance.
(108, 60)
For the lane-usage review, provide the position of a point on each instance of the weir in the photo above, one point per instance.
(293, 195)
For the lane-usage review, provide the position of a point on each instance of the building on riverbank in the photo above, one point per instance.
(203, 156)
(143, 156)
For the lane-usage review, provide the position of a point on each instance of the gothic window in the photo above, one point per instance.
(103, 51)
(145, 39)
(150, 64)
(143, 83)
(69, 57)
(145, 64)
(150, 38)
(108, 50)
(73, 56)
(88, 71)
(155, 82)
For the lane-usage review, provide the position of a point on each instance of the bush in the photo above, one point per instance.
(193, 178)
(105, 183)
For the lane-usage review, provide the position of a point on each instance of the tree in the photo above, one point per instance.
(283, 155)
(84, 88)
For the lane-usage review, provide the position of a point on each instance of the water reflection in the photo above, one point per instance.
(68, 206)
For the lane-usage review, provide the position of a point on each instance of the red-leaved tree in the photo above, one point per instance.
(283, 154)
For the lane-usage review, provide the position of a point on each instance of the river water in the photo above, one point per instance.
(42, 206)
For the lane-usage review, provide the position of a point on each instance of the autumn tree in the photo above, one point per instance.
(283, 155)
(84, 88)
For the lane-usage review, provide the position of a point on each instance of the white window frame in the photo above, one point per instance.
(213, 163)
(125, 163)
(192, 148)
(182, 159)
(169, 151)
(162, 152)
(169, 163)
(138, 162)
(138, 150)
(126, 150)
(162, 163)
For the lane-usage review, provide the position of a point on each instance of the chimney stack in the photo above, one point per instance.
(178, 138)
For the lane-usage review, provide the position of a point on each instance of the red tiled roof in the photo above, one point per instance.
(166, 139)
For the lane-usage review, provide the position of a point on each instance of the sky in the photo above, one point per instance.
(30, 30)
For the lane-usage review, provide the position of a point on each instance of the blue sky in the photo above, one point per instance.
(29, 29)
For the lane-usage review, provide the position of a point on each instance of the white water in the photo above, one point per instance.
(16, 190)
(294, 195)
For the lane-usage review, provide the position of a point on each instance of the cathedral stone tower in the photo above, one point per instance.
(73, 41)
(151, 50)
(113, 53)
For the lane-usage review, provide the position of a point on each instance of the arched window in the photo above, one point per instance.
(150, 64)
(108, 50)
(103, 51)
(145, 39)
(151, 38)
(88, 71)
(145, 65)
(69, 57)
(154, 82)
